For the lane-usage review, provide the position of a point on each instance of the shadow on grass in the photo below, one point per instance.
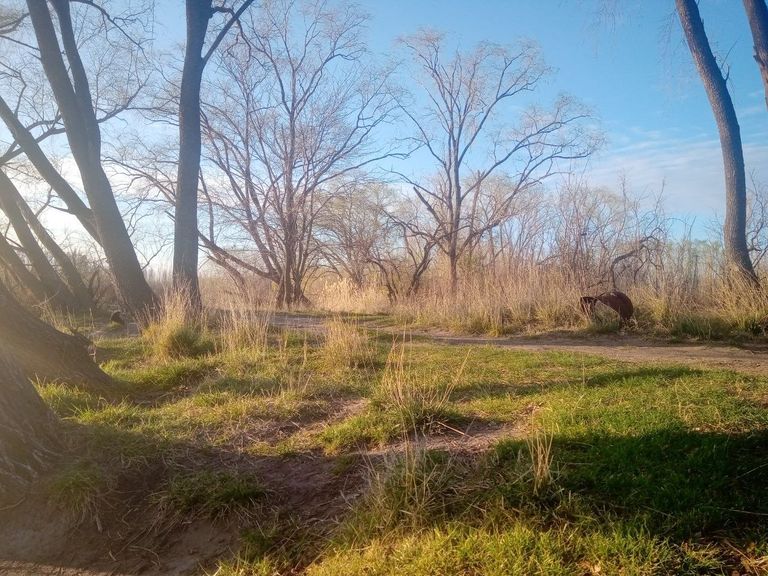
(624, 376)
(677, 483)
(149, 491)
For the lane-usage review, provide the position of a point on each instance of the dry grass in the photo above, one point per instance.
(172, 332)
(243, 328)
(343, 296)
(346, 345)
(421, 399)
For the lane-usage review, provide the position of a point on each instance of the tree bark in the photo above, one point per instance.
(40, 351)
(736, 251)
(757, 13)
(75, 104)
(185, 248)
(28, 440)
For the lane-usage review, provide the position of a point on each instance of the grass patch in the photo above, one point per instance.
(78, 489)
(612, 468)
(346, 345)
(212, 494)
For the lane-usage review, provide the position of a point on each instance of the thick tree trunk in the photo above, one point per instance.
(28, 429)
(757, 13)
(31, 349)
(41, 351)
(76, 107)
(185, 248)
(736, 251)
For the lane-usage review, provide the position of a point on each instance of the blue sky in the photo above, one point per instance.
(633, 70)
(635, 73)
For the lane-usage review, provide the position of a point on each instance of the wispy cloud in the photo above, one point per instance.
(690, 170)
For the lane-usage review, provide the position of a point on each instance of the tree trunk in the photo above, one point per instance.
(757, 13)
(31, 349)
(75, 104)
(70, 272)
(40, 351)
(16, 267)
(28, 439)
(58, 292)
(55, 180)
(736, 251)
(185, 248)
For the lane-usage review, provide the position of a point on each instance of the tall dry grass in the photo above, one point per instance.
(171, 332)
(678, 301)
(343, 296)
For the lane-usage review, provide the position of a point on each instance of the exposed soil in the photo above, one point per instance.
(751, 358)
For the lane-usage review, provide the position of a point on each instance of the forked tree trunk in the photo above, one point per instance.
(736, 251)
(757, 13)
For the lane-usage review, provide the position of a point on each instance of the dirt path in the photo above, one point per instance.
(751, 358)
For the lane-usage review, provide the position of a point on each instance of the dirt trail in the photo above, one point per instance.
(751, 358)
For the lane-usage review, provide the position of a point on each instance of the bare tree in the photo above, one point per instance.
(350, 227)
(70, 85)
(290, 116)
(196, 56)
(736, 250)
(465, 133)
(757, 13)
(603, 239)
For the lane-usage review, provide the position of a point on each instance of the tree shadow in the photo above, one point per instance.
(616, 378)
(679, 483)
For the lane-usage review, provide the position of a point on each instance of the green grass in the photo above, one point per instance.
(606, 467)
(214, 494)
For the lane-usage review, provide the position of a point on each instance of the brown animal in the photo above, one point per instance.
(616, 300)
(117, 318)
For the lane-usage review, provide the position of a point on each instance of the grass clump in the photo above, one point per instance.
(421, 399)
(242, 328)
(212, 494)
(408, 492)
(65, 399)
(174, 333)
(78, 489)
(346, 345)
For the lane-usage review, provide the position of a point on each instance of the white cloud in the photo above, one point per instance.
(689, 169)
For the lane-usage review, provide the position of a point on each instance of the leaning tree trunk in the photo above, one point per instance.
(28, 430)
(70, 87)
(30, 349)
(61, 297)
(757, 13)
(42, 352)
(736, 251)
